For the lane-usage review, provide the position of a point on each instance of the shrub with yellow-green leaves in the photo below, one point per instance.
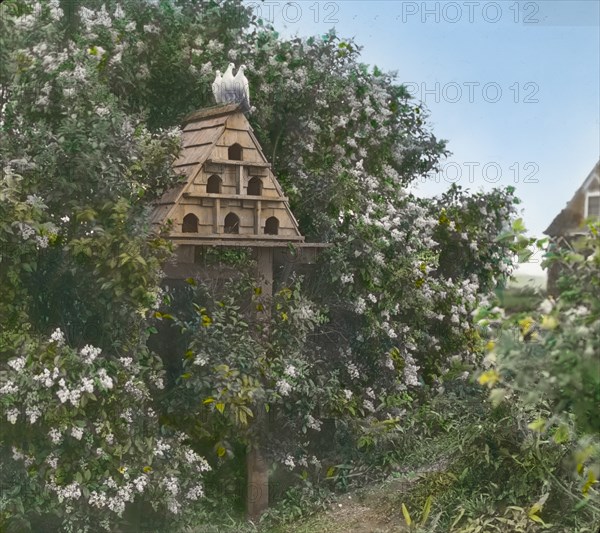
(549, 361)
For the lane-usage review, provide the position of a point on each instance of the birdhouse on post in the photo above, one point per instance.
(230, 198)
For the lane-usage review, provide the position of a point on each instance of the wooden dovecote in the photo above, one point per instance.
(230, 196)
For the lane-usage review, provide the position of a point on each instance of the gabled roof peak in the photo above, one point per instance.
(211, 112)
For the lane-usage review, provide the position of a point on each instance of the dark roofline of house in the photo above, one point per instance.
(554, 229)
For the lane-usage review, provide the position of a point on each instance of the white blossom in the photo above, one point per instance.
(283, 387)
(52, 461)
(140, 482)
(91, 18)
(171, 484)
(105, 380)
(55, 435)
(126, 361)
(159, 382)
(63, 393)
(200, 360)
(173, 506)
(161, 448)
(360, 306)
(347, 278)
(17, 364)
(17, 455)
(195, 493)
(74, 397)
(89, 353)
(290, 370)
(42, 241)
(33, 412)
(410, 371)
(58, 337)
(87, 385)
(151, 28)
(313, 423)
(9, 388)
(25, 230)
(119, 13)
(353, 371)
(546, 306)
(368, 405)
(12, 415)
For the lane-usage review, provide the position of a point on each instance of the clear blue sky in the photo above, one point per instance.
(514, 86)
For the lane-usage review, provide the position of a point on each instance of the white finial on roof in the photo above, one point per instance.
(242, 88)
(228, 89)
(217, 88)
(228, 92)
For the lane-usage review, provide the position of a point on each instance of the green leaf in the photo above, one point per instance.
(426, 510)
(406, 514)
(537, 425)
(562, 434)
(537, 519)
(457, 519)
(518, 226)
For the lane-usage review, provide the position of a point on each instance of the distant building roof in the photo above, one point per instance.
(570, 219)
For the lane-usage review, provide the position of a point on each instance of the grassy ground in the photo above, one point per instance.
(523, 293)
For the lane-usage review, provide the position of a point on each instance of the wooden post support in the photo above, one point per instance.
(257, 498)
(264, 265)
(257, 494)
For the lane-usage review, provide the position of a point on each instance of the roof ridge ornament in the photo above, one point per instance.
(228, 88)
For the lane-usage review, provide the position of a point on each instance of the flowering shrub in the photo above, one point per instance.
(87, 438)
(81, 443)
(234, 373)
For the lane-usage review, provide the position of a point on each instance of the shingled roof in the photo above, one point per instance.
(248, 206)
(201, 130)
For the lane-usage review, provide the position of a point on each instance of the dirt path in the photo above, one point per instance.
(376, 509)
